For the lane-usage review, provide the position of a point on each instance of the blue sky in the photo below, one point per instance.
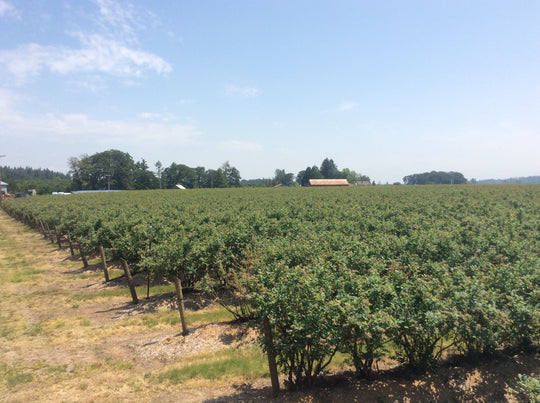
(385, 88)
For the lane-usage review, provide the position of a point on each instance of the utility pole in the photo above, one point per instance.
(1, 193)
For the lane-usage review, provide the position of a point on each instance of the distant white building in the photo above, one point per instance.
(4, 187)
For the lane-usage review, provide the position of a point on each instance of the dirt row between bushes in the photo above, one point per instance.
(61, 343)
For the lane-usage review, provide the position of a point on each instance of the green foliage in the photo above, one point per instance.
(143, 178)
(44, 181)
(112, 169)
(479, 323)
(283, 178)
(304, 176)
(231, 174)
(180, 174)
(328, 170)
(435, 178)
(527, 388)
(199, 177)
(365, 319)
(42, 186)
(302, 307)
(423, 317)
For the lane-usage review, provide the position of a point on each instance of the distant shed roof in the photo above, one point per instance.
(93, 191)
(328, 182)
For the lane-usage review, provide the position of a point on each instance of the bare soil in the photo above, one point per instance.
(63, 339)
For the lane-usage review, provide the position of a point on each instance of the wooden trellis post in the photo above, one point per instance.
(130, 281)
(180, 298)
(104, 263)
(83, 255)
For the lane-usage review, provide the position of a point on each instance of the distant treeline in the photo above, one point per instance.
(30, 173)
(527, 179)
(44, 181)
(435, 178)
(114, 169)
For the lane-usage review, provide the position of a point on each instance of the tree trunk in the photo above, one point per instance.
(83, 256)
(58, 237)
(104, 263)
(43, 230)
(50, 234)
(271, 357)
(70, 244)
(130, 281)
(180, 298)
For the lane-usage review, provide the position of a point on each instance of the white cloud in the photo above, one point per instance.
(150, 115)
(47, 140)
(97, 55)
(110, 51)
(243, 92)
(6, 9)
(241, 145)
(91, 82)
(347, 106)
(157, 117)
(118, 20)
(80, 129)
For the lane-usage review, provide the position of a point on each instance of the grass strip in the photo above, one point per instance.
(247, 363)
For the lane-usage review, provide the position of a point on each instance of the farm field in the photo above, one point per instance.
(67, 336)
(456, 267)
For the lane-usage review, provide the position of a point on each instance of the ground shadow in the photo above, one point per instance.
(152, 304)
(93, 268)
(485, 380)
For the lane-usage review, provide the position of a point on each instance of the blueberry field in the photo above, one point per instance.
(407, 272)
